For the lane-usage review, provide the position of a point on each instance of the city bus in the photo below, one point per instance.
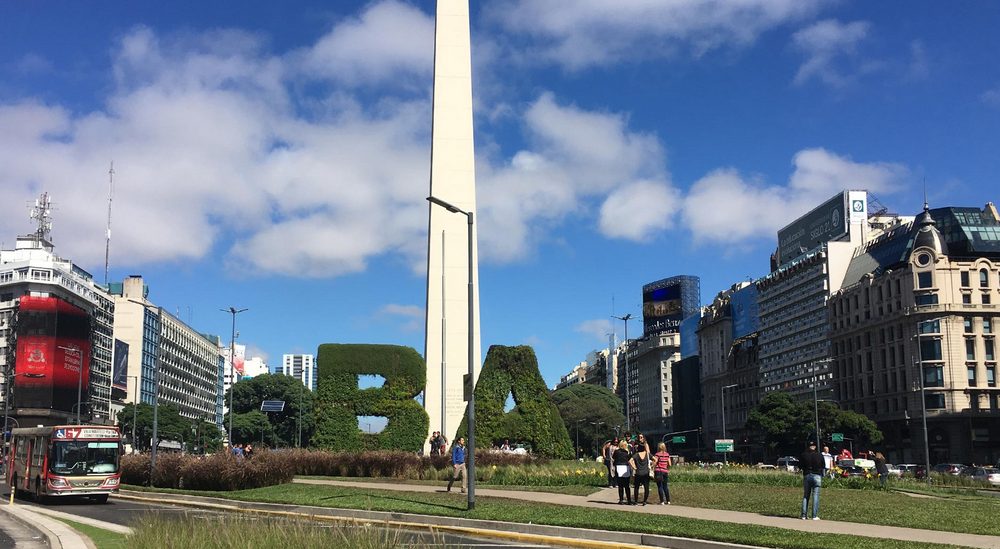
(65, 460)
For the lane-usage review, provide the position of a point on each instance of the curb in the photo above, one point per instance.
(530, 533)
(58, 534)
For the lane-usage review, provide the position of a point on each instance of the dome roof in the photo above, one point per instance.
(927, 235)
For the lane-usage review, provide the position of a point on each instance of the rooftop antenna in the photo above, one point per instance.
(41, 212)
(107, 233)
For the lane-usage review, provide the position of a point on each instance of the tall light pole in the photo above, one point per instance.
(232, 367)
(597, 427)
(135, 405)
(471, 451)
(155, 442)
(577, 452)
(628, 417)
(722, 392)
(923, 395)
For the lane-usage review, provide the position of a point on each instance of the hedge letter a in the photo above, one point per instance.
(339, 401)
(534, 419)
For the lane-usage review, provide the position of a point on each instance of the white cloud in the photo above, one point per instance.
(576, 155)
(727, 207)
(991, 97)
(598, 328)
(828, 45)
(639, 209)
(582, 33)
(411, 315)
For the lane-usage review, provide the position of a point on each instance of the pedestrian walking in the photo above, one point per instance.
(458, 464)
(607, 452)
(661, 473)
(827, 462)
(640, 465)
(881, 468)
(620, 462)
(434, 443)
(811, 463)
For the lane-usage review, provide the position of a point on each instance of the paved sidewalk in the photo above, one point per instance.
(605, 500)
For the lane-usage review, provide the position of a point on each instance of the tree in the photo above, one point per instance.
(284, 425)
(170, 424)
(592, 409)
(786, 424)
(253, 428)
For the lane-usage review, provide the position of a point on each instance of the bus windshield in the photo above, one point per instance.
(78, 457)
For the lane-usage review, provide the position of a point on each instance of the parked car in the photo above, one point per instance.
(894, 470)
(788, 463)
(852, 472)
(908, 469)
(984, 474)
(948, 468)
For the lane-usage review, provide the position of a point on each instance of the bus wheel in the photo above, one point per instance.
(100, 498)
(39, 496)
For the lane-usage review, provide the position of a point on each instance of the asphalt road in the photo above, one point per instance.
(127, 512)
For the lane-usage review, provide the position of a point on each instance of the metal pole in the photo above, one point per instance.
(722, 395)
(472, 376)
(628, 392)
(816, 409)
(444, 343)
(156, 397)
(6, 407)
(298, 439)
(135, 404)
(232, 374)
(79, 387)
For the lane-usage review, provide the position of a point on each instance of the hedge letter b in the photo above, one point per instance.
(340, 401)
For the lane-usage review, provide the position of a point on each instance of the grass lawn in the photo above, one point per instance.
(573, 489)
(103, 539)
(558, 515)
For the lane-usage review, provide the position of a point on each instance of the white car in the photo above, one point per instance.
(894, 470)
(987, 474)
(788, 463)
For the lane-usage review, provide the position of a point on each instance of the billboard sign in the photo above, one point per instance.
(823, 224)
(689, 335)
(52, 354)
(745, 310)
(661, 309)
(857, 204)
(119, 376)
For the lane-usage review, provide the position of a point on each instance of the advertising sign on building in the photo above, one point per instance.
(119, 376)
(825, 223)
(52, 354)
(857, 204)
(745, 310)
(666, 302)
(689, 335)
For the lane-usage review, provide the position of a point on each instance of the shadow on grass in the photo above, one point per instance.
(387, 497)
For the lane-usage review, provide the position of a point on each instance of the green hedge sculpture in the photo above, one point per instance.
(339, 402)
(535, 418)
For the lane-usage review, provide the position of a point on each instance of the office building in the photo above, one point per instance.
(919, 310)
(168, 358)
(62, 364)
(301, 367)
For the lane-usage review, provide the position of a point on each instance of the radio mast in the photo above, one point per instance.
(107, 234)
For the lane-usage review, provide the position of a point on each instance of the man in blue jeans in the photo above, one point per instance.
(811, 463)
(458, 464)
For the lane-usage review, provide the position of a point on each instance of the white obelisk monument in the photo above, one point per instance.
(453, 180)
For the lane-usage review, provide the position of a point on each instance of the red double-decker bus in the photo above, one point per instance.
(65, 460)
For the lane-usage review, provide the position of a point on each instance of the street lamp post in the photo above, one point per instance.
(722, 393)
(577, 452)
(471, 458)
(6, 402)
(628, 417)
(135, 405)
(597, 427)
(923, 395)
(232, 367)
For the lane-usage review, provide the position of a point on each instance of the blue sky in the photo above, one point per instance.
(275, 155)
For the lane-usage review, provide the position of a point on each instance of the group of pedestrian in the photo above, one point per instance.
(439, 444)
(241, 451)
(630, 466)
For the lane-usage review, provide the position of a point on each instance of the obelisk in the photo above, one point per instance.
(453, 180)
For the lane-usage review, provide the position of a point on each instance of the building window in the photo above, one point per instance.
(934, 401)
(966, 299)
(968, 325)
(984, 278)
(933, 376)
(926, 299)
(991, 376)
(930, 327)
(986, 298)
(972, 374)
(970, 349)
(924, 280)
(987, 326)
(965, 279)
(930, 349)
(988, 344)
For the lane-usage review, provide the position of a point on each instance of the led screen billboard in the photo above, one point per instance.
(823, 224)
(745, 310)
(52, 354)
(666, 302)
(119, 376)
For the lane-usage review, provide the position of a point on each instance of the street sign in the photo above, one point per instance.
(837, 437)
(272, 406)
(679, 440)
(723, 445)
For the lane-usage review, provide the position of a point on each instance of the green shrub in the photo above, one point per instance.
(219, 471)
(339, 401)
